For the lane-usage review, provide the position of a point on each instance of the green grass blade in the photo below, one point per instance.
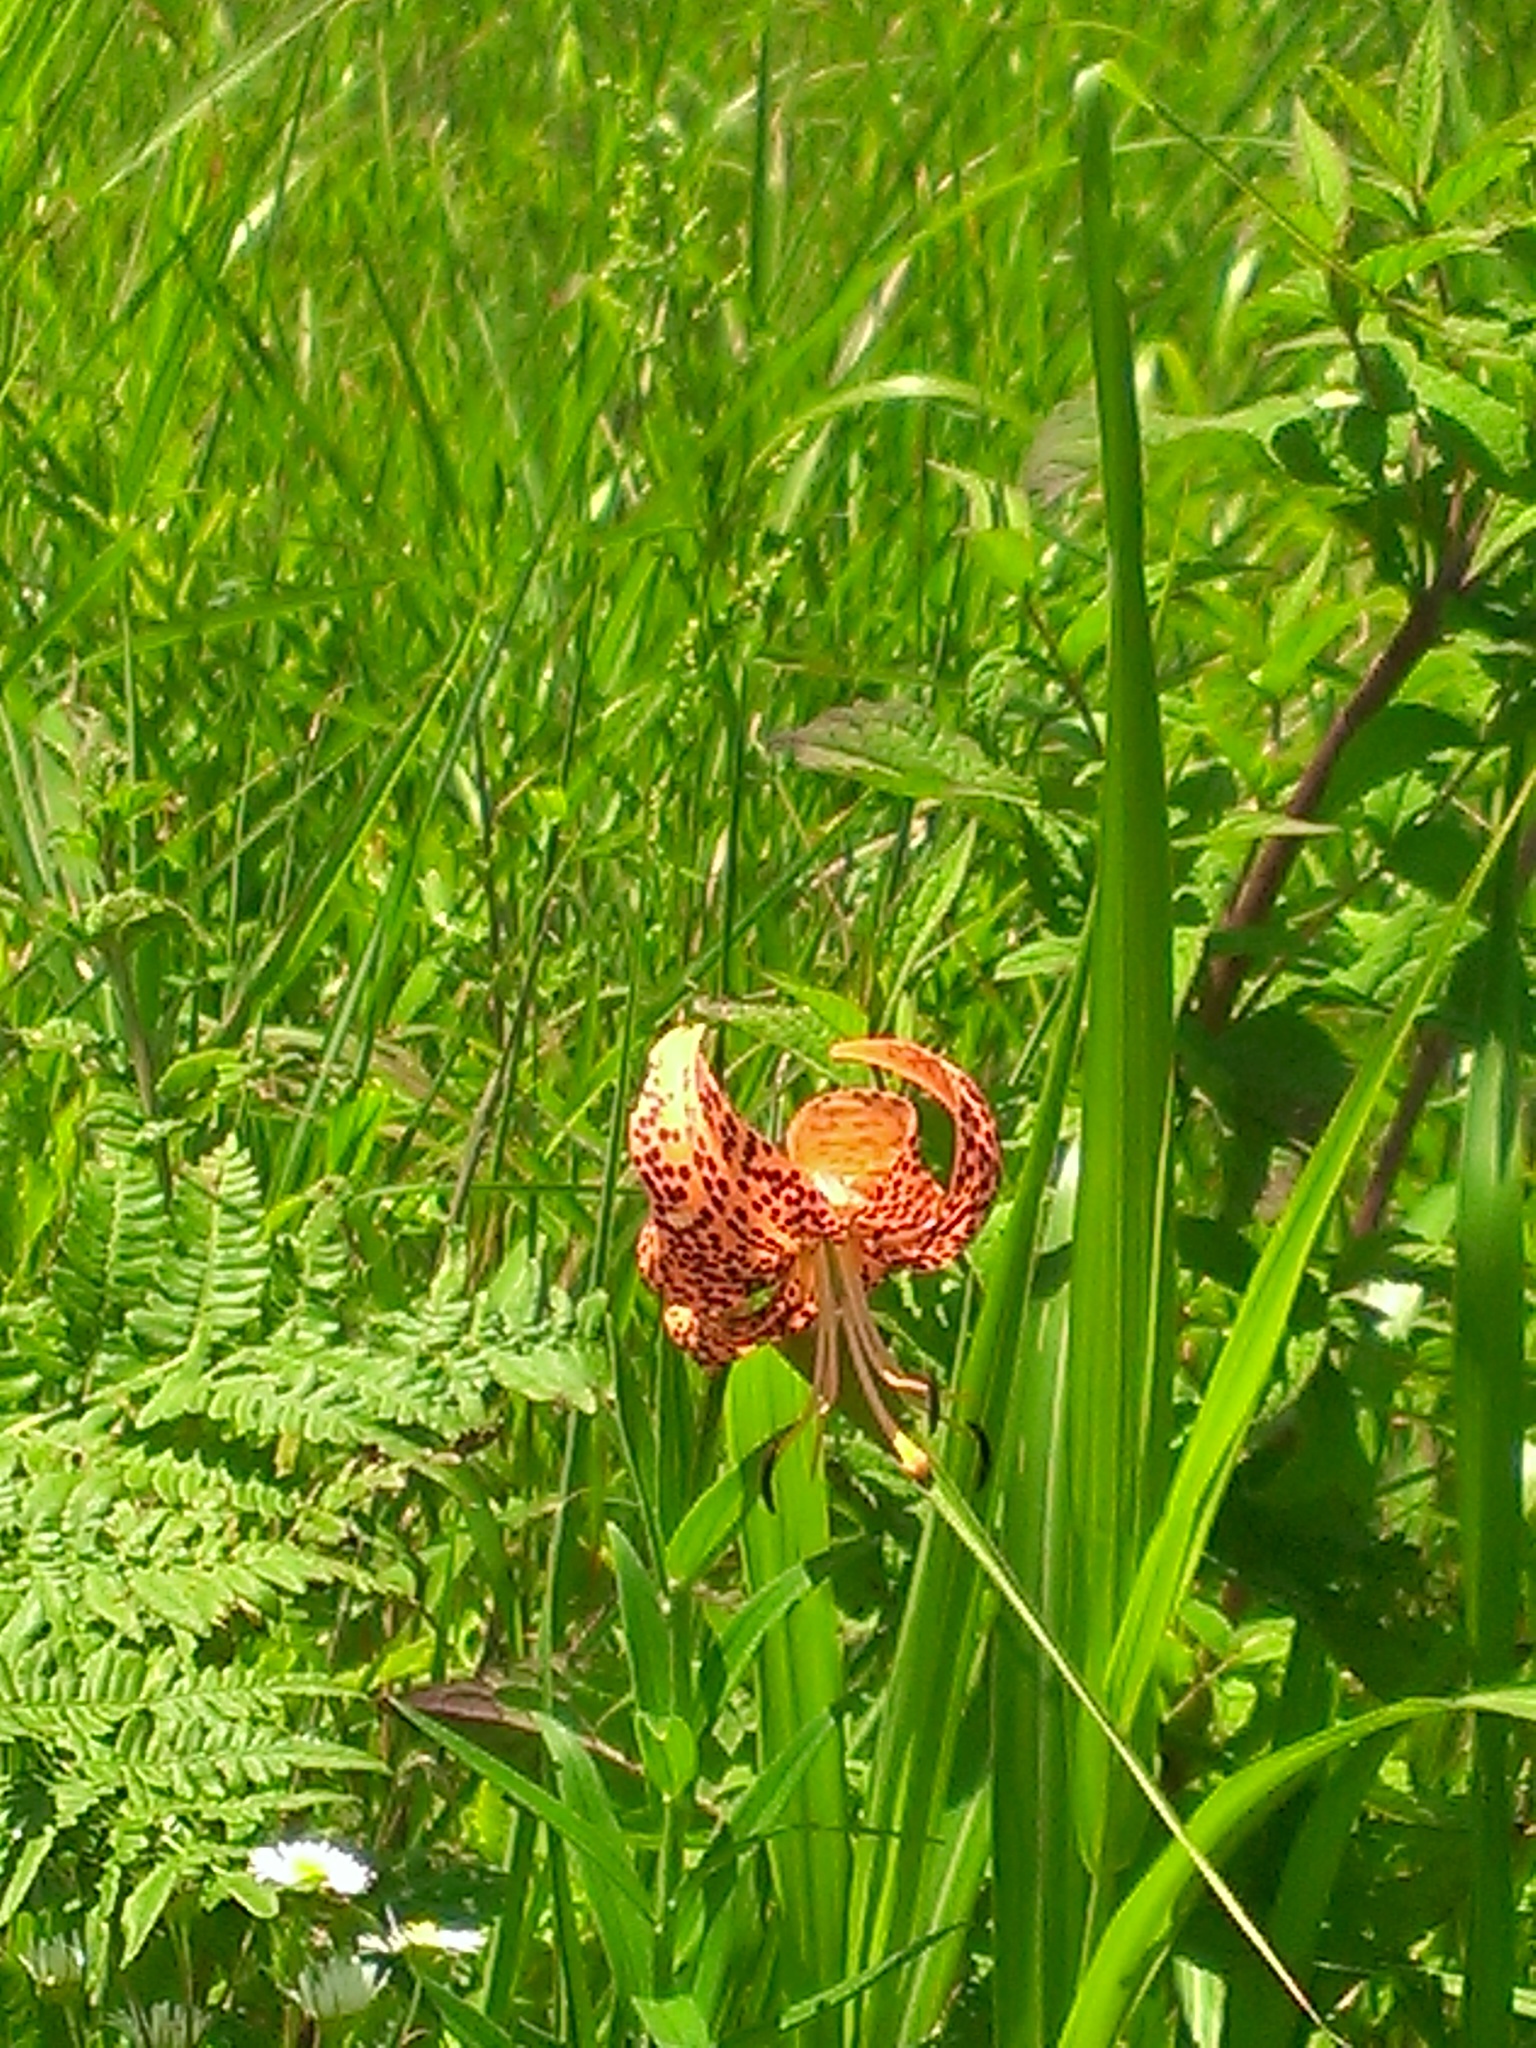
(218, 88)
(1489, 1373)
(1039, 1884)
(421, 404)
(1118, 1368)
(625, 1928)
(800, 1677)
(910, 1852)
(1241, 1372)
(1258, 2012)
(291, 945)
(1147, 1918)
(465, 2022)
(956, 1511)
(593, 1842)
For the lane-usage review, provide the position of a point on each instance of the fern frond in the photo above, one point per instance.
(112, 1246)
(213, 1284)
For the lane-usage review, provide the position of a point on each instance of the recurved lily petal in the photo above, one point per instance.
(728, 1211)
(974, 1167)
(715, 1336)
(858, 1148)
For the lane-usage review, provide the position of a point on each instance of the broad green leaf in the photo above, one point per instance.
(713, 1520)
(898, 749)
(145, 1903)
(646, 1641)
(668, 1752)
(768, 1805)
(762, 1610)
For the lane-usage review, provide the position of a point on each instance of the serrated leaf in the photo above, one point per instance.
(897, 749)
(1509, 525)
(1392, 148)
(1489, 433)
(1490, 160)
(1386, 268)
(839, 1015)
(1400, 737)
(1321, 166)
(929, 907)
(790, 1028)
(1421, 94)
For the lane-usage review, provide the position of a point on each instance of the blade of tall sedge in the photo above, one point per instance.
(1258, 2014)
(1144, 1925)
(1489, 1367)
(1238, 1380)
(921, 1859)
(1117, 1416)
(1039, 1884)
(949, 1502)
(799, 1675)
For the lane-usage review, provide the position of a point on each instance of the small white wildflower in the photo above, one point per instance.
(336, 1989)
(310, 1866)
(1395, 1305)
(56, 1963)
(162, 2025)
(423, 1934)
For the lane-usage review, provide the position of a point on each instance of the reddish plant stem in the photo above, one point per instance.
(1435, 1044)
(1261, 885)
(1430, 1055)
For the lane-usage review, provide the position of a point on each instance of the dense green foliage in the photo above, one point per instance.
(518, 524)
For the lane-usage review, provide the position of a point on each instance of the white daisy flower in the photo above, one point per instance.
(311, 1866)
(337, 1989)
(424, 1934)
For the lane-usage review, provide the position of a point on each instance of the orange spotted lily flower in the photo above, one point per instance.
(746, 1243)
